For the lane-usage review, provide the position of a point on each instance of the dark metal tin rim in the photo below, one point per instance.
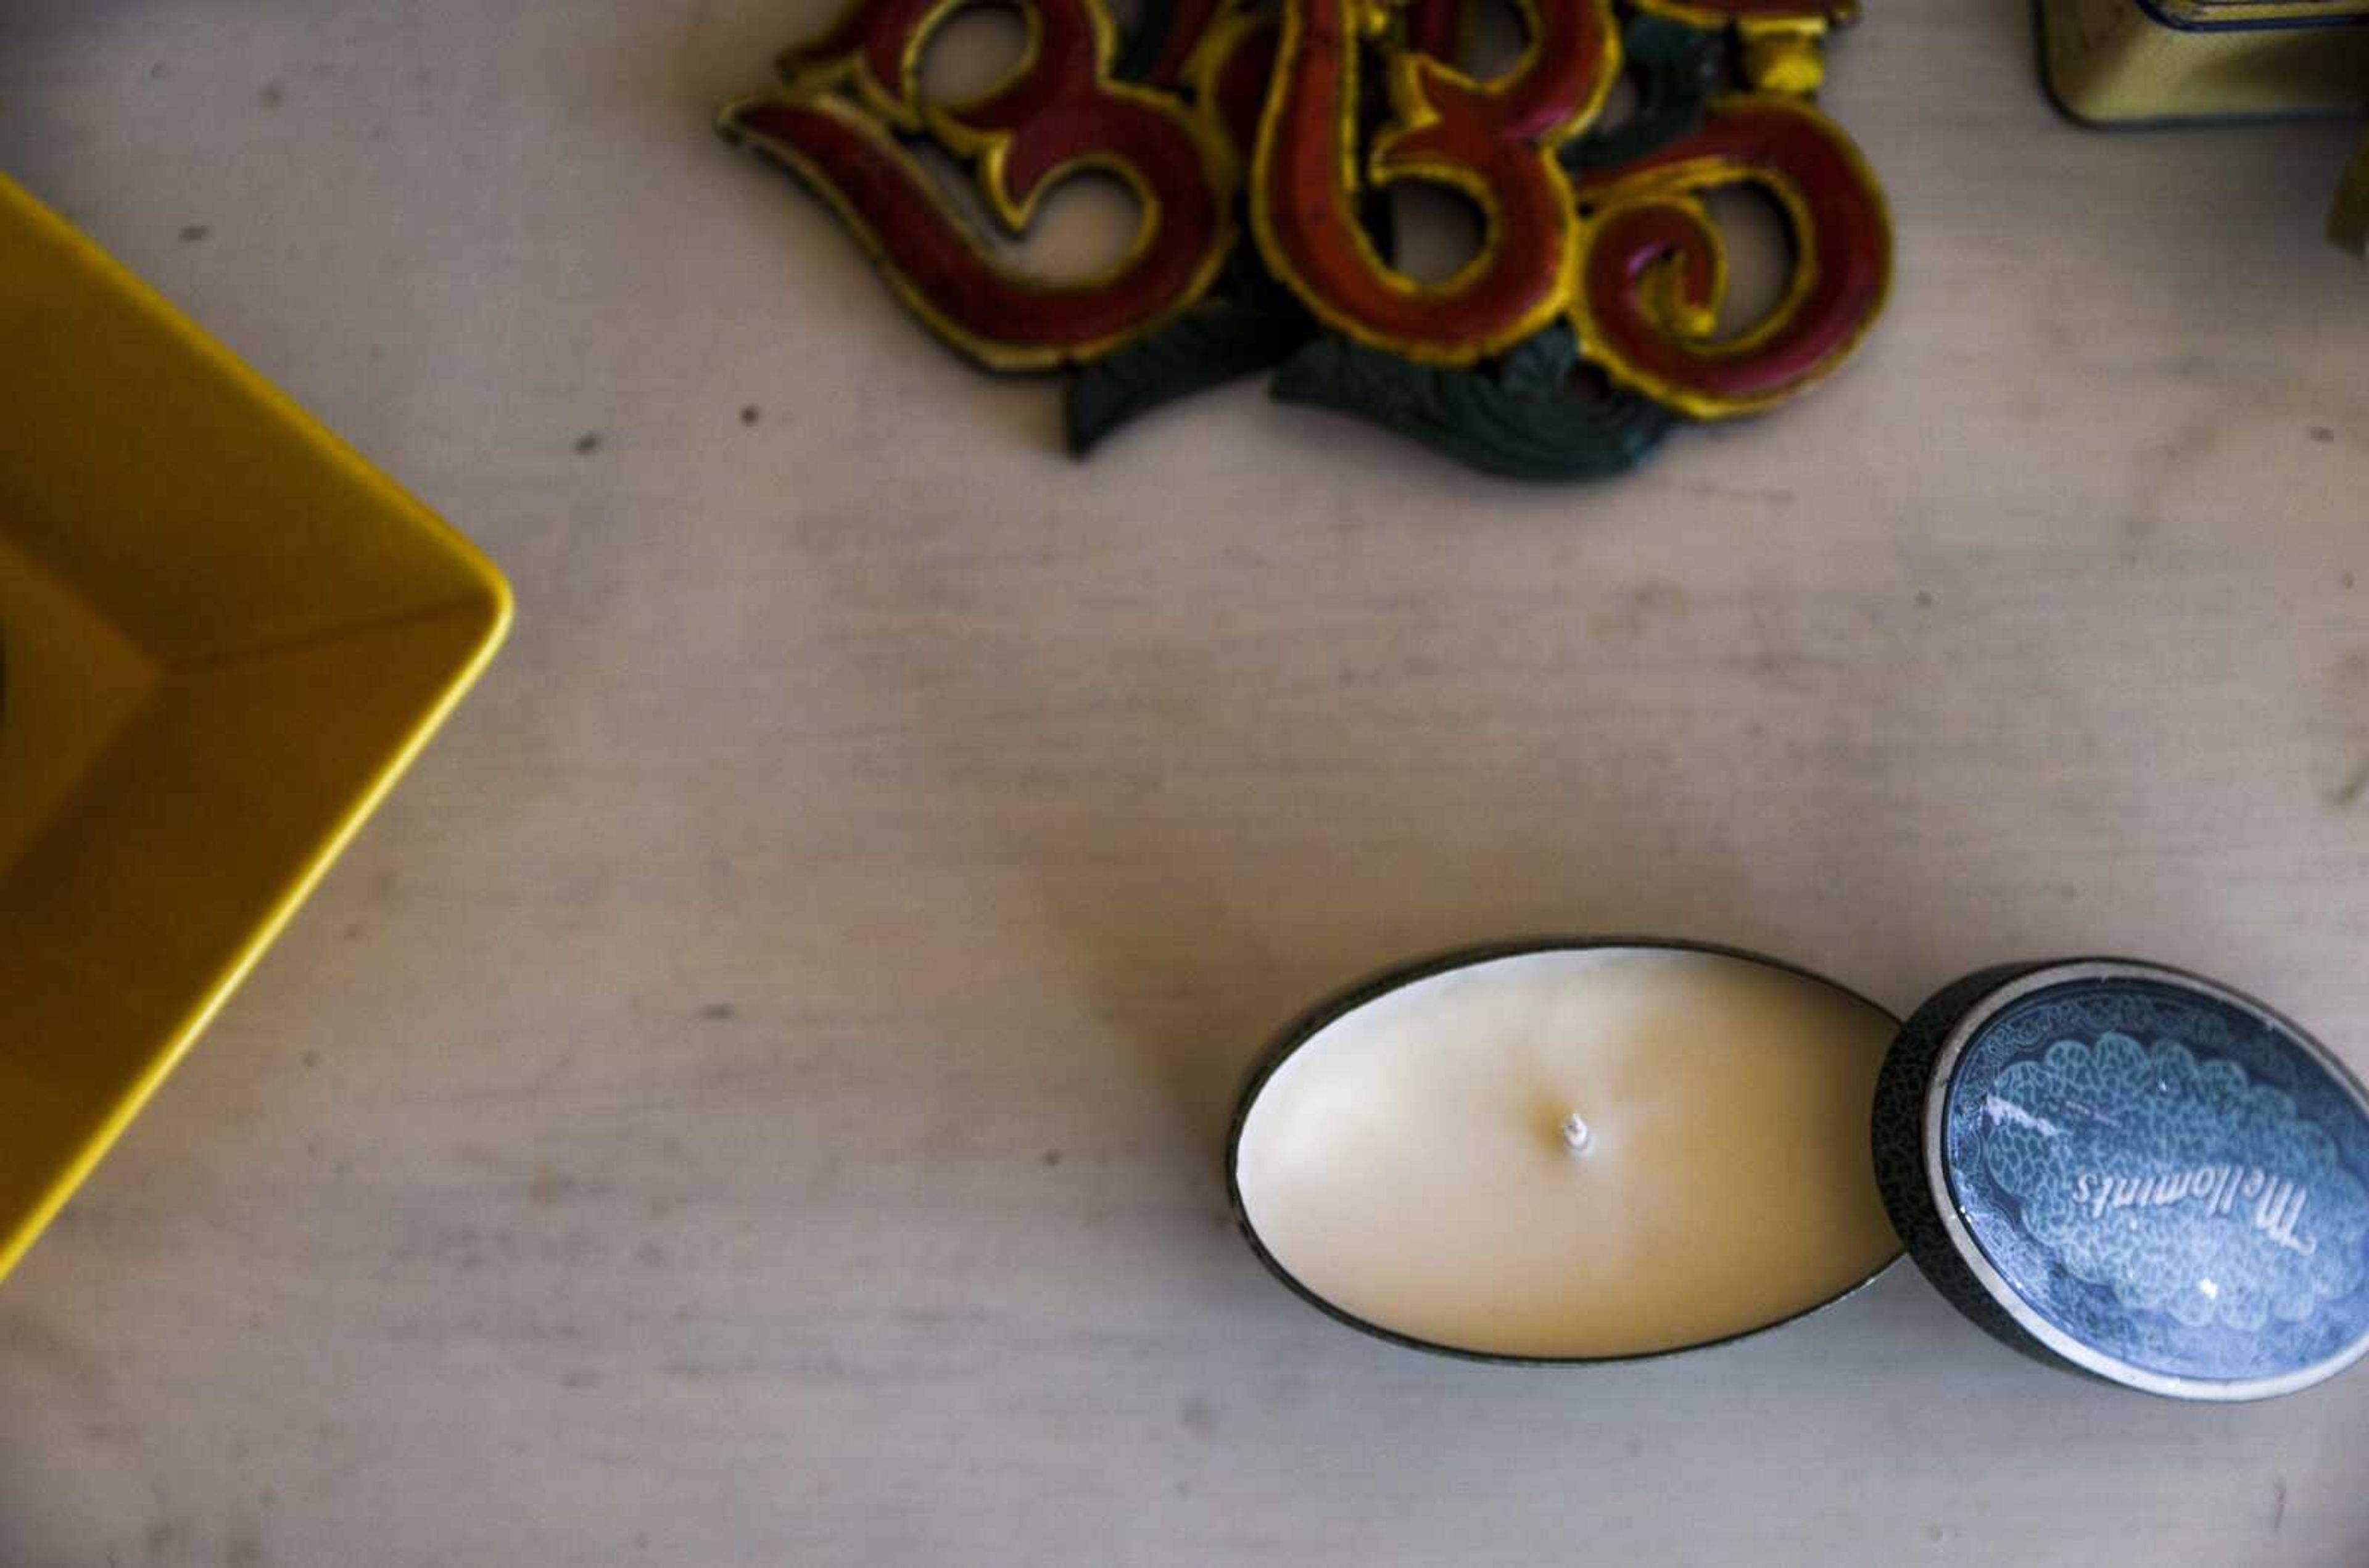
(2158, 13)
(1305, 1028)
(2014, 987)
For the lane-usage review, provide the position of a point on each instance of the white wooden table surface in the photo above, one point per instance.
(754, 1095)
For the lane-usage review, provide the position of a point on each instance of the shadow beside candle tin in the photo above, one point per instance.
(2119, 1169)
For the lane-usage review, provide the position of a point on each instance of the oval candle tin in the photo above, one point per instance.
(1569, 1150)
(2132, 1173)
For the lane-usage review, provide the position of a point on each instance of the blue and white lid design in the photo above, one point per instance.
(2144, 1174)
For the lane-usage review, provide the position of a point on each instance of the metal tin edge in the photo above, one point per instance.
(2169, 18)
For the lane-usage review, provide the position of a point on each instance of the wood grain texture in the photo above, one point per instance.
(753, 1097)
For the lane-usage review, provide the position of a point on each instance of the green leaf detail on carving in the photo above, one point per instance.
(1674, 66)
(1211, 344)
(1251, 323)
(1520, 422)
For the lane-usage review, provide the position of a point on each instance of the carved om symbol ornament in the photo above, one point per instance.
(1260, 141)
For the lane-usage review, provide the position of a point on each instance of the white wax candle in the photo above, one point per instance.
(1579, 1152)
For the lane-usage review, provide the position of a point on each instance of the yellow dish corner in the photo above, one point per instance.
(224, 636)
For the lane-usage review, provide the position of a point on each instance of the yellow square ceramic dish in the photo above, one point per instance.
(223, 636)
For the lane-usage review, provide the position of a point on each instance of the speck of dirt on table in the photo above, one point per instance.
(588, 443)
(271, 96)
(193, 233)
(751, 414)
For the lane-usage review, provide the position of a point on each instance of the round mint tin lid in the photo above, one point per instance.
(2134, 1172)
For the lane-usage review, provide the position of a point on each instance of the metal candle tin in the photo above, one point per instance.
(2119, 1169)
(2116, 62)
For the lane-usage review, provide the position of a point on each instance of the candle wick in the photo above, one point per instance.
(1575, 1135)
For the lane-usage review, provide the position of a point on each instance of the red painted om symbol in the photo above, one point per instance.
(1231, 93)
(851, 91)
(1652, 271)
(1493, 141)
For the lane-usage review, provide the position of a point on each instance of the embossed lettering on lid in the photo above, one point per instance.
(2157, 1180)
